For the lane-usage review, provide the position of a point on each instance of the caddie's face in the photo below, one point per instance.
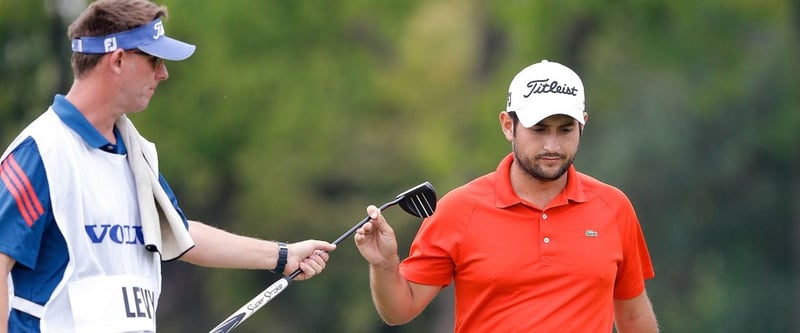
(546, 150)
(143, 73)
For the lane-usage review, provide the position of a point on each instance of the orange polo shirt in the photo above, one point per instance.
(517, 268)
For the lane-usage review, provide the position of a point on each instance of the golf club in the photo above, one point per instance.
(419, 201)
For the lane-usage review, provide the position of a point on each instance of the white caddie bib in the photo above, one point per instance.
(113, 304)
(111, 283)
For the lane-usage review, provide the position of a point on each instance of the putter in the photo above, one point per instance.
(419, 201)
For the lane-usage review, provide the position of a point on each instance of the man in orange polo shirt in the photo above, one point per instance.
(534, 246)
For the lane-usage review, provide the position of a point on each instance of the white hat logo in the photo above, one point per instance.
(553, 87)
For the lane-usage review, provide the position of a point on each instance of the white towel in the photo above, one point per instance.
(162, 226)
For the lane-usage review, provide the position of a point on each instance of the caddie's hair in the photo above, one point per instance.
(105, 17)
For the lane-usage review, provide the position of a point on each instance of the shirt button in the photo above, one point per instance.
(544, 216)
(547, 240)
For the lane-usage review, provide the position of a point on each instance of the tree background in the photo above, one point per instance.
(292, 116)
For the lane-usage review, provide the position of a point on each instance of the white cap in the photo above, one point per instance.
(544, 89)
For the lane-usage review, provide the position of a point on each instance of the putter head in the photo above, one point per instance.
(419, 201)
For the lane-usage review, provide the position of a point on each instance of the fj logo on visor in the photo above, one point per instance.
(591, 233)
(110, 44)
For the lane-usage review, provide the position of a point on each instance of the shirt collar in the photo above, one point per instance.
(506, 197)
(75, 120)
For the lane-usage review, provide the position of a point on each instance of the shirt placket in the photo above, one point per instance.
(546, 235)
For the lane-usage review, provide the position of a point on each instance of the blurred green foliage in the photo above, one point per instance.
(292, 116)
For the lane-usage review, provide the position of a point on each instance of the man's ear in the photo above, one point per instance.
(507, 125)
(114, 60)
(585, 120)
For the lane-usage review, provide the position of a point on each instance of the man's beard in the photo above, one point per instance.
(534, 170)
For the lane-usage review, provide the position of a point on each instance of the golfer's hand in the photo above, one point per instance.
(376, 240)
(310, 256)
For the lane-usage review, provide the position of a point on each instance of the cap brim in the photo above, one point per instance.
(169, 49)
(528, 119)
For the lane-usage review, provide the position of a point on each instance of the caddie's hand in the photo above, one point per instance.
(376, 240)
(310, 256)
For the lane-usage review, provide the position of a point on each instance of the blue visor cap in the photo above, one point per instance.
(149, 38)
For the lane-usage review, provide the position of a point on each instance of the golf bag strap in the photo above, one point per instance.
(24, 305)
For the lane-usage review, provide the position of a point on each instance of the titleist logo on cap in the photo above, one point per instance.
(543, 87)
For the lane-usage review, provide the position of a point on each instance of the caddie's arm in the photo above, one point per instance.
(6, 263)
(218, 248)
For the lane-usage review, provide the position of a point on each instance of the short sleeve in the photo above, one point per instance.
(24, 203)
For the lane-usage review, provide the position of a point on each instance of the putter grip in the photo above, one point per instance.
(253, 305)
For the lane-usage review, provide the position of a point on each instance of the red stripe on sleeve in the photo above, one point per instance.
(13, 190)
(37, 205)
